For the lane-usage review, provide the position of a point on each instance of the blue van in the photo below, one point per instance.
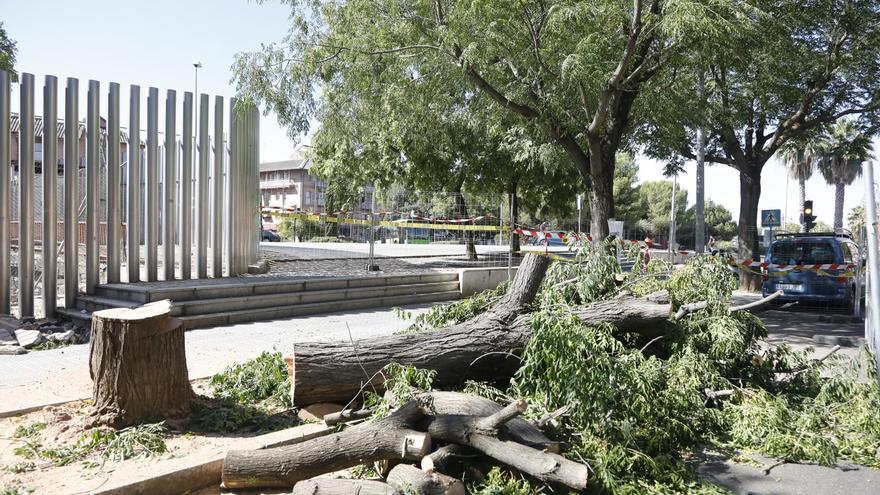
(792, 258)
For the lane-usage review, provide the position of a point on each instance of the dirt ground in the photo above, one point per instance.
(67, 423)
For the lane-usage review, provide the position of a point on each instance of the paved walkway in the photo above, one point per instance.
(59, 375)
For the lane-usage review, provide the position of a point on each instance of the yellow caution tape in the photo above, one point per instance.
(387, 223)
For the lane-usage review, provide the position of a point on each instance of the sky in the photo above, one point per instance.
(155, 43)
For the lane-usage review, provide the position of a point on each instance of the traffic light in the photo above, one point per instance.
(809, 218)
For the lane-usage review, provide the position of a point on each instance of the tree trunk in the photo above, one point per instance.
(839, 192)
(802, 191)
(389, 438)
(322, 370)
(747, 231)
(412, 480)
(461, 207)
(137, 363)
(699, 209)
(514, 219)
(483, 348)
(602, 193)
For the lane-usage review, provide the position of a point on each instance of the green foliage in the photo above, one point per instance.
(136, 441)
(400, 384)
(500, 482)
(324, 238)
(457, 312)
(22, 431)
(255, 380)
(225, 416)
(590, 277)
(703, 278)
(285, 229)
(8, 51)
(21, 467)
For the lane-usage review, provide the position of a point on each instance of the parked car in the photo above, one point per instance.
(268, 235)
(805, 284)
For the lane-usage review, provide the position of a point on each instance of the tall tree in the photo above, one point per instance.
(568, 71)
(800, 159)
(844, 148)
(804, 65)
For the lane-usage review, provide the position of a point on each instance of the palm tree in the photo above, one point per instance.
(800, 159)
(844, 148)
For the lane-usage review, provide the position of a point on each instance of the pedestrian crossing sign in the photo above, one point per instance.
(771, 218)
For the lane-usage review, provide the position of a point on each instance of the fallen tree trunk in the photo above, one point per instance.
(389, 438)
(483, 348)
(326, 372)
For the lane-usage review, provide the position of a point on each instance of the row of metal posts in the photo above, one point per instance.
(242, 190)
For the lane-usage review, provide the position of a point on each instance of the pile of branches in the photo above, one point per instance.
(625, 372)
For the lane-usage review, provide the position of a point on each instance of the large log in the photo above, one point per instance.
(412, 480)
(389, 438)
(335, 372)
(137, 363)
(336, 486)
(484, 348)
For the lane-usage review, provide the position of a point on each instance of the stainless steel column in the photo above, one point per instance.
(71, 195)
(50, 204)
(93, 170)
(170, 216)
(114, 186)
(203, 200)
(186, 189)
(135, 214)
(151, 222)
(5, 191)
(232, 188)
(217, 180)
(26, 198)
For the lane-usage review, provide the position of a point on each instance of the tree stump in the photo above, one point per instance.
(137, 364)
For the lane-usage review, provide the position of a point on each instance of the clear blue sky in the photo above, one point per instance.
(154, 43)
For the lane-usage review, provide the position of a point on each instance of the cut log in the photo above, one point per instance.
(484, 348)
(335, 486)
(478, 432)
(389, 438)
(410, 479)
(343, 416)
(137, 363)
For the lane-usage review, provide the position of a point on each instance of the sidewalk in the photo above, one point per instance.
(60, 375)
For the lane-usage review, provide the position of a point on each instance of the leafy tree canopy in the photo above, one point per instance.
(8, 51)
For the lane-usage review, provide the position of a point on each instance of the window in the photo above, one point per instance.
(848, 251)
(320, 198)
(308, 198)
(805, 252)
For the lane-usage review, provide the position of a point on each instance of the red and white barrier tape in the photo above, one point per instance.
(809, 266)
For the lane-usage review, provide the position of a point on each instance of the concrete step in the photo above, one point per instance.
(190, 290)
(227, 304)
(273, 313)
(288, 311)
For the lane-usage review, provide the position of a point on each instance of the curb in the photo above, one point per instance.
(206, 472)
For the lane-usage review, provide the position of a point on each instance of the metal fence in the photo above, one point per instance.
(196, 196)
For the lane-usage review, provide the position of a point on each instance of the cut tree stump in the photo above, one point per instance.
(389, 438)
(137, 363)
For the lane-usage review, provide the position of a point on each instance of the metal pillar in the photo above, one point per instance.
(5, 191)
(134, 215)
(93, 170)
(114, 185)
(217, 181)
(50, 182)
(26, 197)
(170, 182)
(71, 198)
(232, 191)
(873, 325)
(186, 189)
(202, 182)
(151, 221)
(252, 206)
